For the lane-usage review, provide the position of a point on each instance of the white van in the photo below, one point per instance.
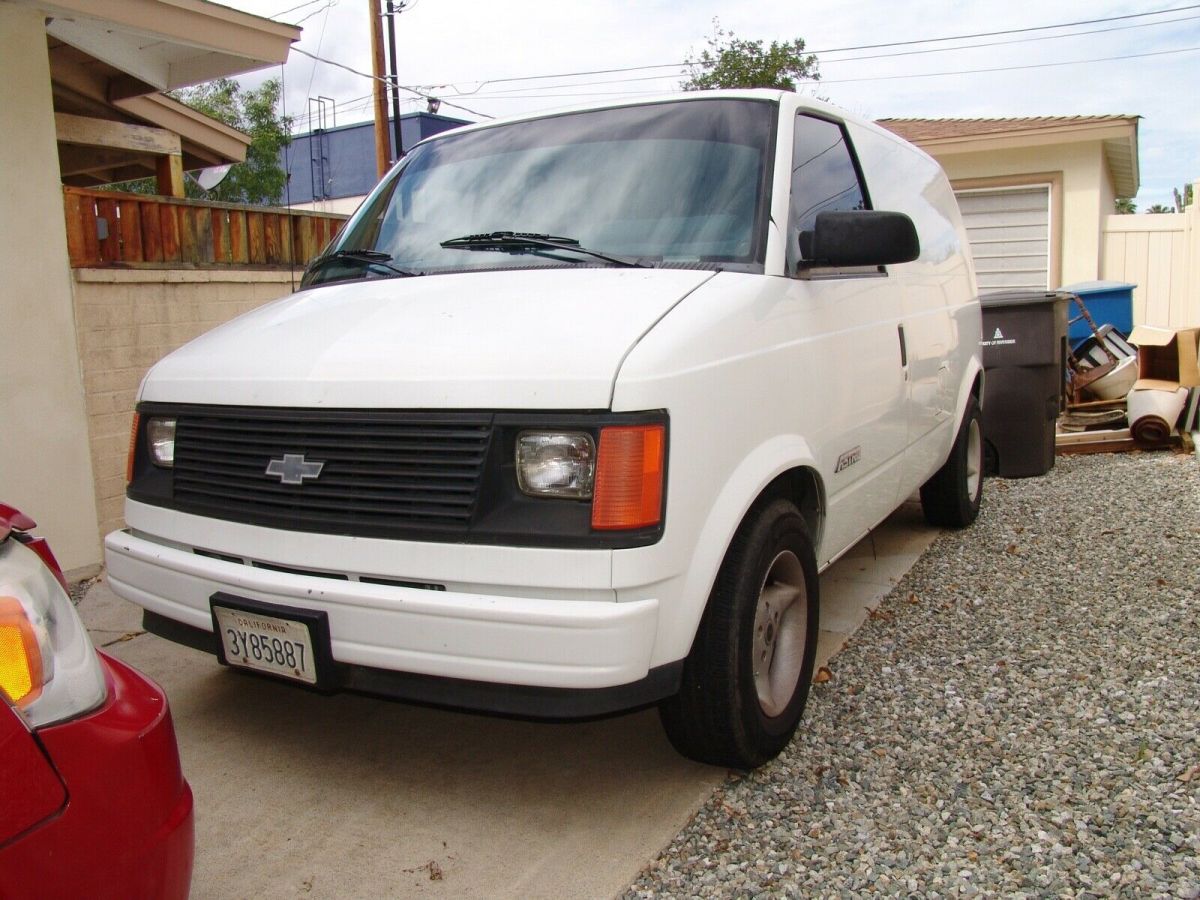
(570, 416)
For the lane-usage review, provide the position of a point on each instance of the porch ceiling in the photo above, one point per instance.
(109, 59)
(168, 44)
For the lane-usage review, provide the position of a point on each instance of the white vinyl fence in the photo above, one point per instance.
(1160, 253)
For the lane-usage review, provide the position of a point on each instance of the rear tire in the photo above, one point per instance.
(952, 496)
(745, 682)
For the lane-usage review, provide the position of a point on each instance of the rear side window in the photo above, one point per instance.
(825, 178)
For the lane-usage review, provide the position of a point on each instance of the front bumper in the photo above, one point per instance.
(537, 648)
(127, 829)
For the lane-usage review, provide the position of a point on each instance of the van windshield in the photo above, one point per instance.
(683, 183)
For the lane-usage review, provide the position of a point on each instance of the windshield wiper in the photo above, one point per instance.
(518, 242)
(367, 257)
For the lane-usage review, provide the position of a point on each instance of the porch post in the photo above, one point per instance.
(169, 169)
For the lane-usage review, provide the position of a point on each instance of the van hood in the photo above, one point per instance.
(514, 339)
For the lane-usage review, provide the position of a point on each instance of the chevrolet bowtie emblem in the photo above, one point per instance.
(294, 468)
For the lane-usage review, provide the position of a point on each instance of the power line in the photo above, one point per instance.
(1027, 40)
(580, 94)
(1049, 65)
(520, 93)
(320, 40)
(515, 92)
(959, 37)
(502, 94)
(330, 4)
(294, 8)
(351, 105)
(983, 34)
(822, 82)
(601, 94)
(425, 96)
(487, 81)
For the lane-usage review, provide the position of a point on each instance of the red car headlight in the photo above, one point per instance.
(48, 667)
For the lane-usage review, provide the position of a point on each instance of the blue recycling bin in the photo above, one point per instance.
(1109, 302)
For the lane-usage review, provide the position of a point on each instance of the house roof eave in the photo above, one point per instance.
(1117, 135)
(168, 44)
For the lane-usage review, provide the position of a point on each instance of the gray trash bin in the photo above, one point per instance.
(1024, 346)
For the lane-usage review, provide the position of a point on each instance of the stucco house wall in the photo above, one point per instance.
(1085, 162)
(154, 45)
(45, 467)
(1079, 189)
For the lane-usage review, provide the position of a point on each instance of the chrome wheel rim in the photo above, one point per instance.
(974, 459)
(780, 633)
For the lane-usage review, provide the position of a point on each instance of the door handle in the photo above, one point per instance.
(903, 347)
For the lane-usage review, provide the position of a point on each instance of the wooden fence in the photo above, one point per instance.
(106, 228)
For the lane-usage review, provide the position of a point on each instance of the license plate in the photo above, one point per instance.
(266, 643)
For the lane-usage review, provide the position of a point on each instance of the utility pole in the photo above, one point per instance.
(393, 9)
(382, 148)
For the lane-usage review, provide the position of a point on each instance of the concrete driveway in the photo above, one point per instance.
(305, 795)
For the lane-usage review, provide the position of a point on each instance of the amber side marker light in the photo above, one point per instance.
(20, 657)
(629, 477)
(133, 433)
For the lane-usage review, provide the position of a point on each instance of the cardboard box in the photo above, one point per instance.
(1166, 357)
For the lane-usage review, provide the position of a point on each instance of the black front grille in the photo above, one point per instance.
(383, 473)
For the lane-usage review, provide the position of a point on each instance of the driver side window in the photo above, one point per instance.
(825, 178)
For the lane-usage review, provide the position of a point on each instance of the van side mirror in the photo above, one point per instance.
(864, 237)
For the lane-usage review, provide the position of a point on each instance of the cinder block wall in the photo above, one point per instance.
(127, 320)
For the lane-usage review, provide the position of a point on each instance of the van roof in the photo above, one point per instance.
(776, 96)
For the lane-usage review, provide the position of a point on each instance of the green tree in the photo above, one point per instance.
(732, 62)
(1159, 208)
(1182, 199)
(261, 178)
(1125, 206)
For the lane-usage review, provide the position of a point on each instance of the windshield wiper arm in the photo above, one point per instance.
(518, 241)
(367, 257)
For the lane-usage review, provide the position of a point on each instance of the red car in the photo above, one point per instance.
(93, 802)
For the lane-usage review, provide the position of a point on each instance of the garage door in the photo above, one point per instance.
(1009, 233)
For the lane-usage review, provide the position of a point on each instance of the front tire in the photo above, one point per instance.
(745, 682)
(952, 496)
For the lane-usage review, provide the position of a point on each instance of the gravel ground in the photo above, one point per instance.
(1021, 716)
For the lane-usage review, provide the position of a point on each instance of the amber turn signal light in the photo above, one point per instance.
(20, 656)
(133, 433)
(629, 477)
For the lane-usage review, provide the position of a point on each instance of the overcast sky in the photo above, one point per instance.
(460, 49)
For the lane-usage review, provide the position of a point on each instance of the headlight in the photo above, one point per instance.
(160, 436)
(48, 667)
(556, 464)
